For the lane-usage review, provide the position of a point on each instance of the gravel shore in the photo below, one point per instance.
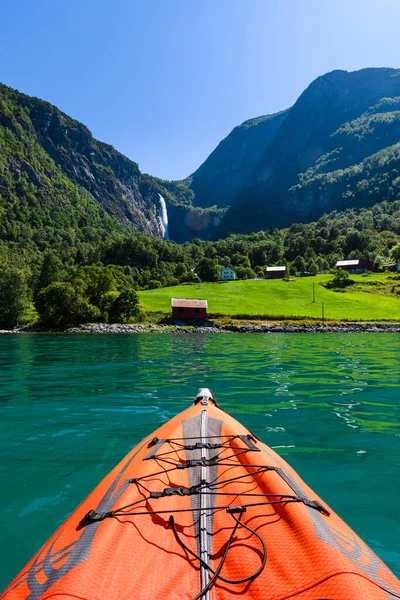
(317, 328)
(104, 328)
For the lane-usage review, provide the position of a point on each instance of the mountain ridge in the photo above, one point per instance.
(335, 148)
(302, 138)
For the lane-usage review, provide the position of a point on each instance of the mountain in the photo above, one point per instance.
(54, 173)
(336, 148)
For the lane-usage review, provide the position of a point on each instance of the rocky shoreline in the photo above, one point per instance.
(210, 327)
(318, 328)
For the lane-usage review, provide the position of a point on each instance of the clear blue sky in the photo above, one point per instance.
(165, 80)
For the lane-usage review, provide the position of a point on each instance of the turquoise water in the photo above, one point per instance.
(71, 407)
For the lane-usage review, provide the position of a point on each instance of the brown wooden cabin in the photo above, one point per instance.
(187, 308)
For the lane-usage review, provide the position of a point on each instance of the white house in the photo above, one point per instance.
(228, 274)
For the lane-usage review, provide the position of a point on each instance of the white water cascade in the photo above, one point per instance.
(163, 218)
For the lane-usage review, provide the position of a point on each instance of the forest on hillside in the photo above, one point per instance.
(74, 275)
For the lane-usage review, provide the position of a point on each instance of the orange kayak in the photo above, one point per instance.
(202, 509)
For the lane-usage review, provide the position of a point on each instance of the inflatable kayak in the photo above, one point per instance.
(202, 509)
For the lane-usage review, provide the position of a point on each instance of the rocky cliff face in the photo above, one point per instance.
(58, 145)
(233, 162)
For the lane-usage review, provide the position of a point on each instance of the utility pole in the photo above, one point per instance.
(196, 275)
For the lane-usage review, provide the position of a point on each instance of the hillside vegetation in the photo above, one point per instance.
(335, 148)
(71, 281)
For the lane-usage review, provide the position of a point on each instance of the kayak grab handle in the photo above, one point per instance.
(205, 395)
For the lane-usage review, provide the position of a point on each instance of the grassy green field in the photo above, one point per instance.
(372, 298)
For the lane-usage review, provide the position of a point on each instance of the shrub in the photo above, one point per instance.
(171, 281)
(313, 268)
(60, 305)
(125, 307)
(153, 284)
(340, 280)
(245, 273)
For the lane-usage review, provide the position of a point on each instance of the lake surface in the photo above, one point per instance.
(72, 406)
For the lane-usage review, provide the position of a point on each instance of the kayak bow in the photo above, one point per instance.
(202, 509)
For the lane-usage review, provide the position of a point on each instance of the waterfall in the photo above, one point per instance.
(163, 218)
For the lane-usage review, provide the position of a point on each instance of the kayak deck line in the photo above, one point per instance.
(205, 511)
(200, 489)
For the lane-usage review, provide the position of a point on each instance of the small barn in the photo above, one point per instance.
(228, 274)
(357, 265)
(188, 308)
(275, 272)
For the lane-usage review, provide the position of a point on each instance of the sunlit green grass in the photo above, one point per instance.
(287, 299)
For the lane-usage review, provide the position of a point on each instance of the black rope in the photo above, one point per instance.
(94, 516)
(200, 488)
(221, 563)
(216, 574)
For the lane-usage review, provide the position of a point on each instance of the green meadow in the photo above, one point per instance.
(375, 297)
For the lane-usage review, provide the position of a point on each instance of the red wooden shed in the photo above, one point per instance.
(188, 308)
